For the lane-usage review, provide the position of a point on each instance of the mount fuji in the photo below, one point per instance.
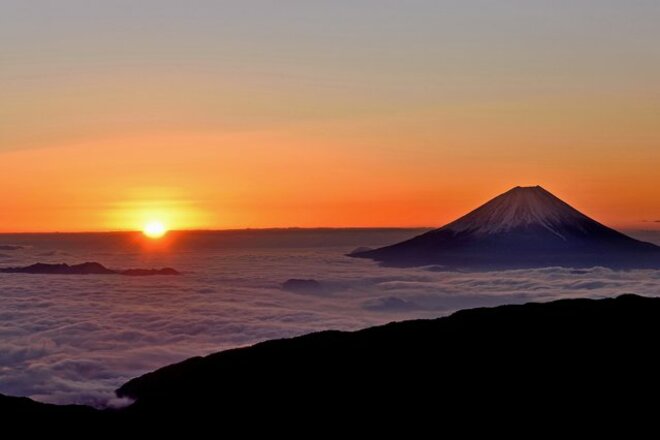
(524, 227)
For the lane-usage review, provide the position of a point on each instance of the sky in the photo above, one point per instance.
(233, 114)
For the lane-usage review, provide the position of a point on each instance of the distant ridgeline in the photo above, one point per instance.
(85, 269)
(514, 361)
(524, 227)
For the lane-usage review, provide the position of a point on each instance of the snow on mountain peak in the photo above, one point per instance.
(519, 207)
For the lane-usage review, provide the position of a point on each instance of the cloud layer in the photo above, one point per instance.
(75, 339)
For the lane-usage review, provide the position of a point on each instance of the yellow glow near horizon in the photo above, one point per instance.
(133, 208)
(154, 229)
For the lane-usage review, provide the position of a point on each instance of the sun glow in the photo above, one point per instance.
(154, 229)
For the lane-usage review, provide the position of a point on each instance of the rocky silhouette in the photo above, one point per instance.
(16, 411)
(568, 354)
(90, 268)
(524, 227)
(10, 247)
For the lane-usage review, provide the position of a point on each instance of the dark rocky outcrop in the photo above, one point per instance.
(148, 272)
(10, 247)
(15, 411)
(90, 268)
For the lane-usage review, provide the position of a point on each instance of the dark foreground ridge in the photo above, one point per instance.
(92, 268)
(535, 358)
(524, 227)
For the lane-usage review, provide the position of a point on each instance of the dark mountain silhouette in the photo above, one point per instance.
(10, 247)
(524, 227)
(549, 361)
(90, 268)
(531, 351)
(21, 410)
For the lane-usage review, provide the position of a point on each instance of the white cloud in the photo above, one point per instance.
(77, 338)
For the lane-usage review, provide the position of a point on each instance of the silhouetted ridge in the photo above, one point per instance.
(517, 361)
(22, 410)
(524, 227)
(90, 268)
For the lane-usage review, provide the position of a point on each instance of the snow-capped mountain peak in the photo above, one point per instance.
(519, 207)
(524, 227)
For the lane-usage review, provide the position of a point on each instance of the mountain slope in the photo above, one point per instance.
(530, 353)
(524, 227)
(19, 410)
(544, 360)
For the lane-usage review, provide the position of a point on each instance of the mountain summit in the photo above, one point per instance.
(524, 227)
(521, 206)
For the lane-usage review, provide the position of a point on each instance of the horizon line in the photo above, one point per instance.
(275, 228)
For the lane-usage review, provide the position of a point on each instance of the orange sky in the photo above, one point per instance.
(275, 179)
(323, 114)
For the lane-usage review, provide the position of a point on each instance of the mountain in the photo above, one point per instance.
(89, 268)
(510, 358)
(17, 409)
(541, 361)
(524, 227)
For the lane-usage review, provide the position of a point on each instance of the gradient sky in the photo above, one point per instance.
(230, 114)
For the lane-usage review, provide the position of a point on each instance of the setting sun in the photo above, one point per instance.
(154, 229)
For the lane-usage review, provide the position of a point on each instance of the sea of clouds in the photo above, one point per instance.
(75, 339)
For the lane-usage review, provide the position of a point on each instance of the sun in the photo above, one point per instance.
(154, 229)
